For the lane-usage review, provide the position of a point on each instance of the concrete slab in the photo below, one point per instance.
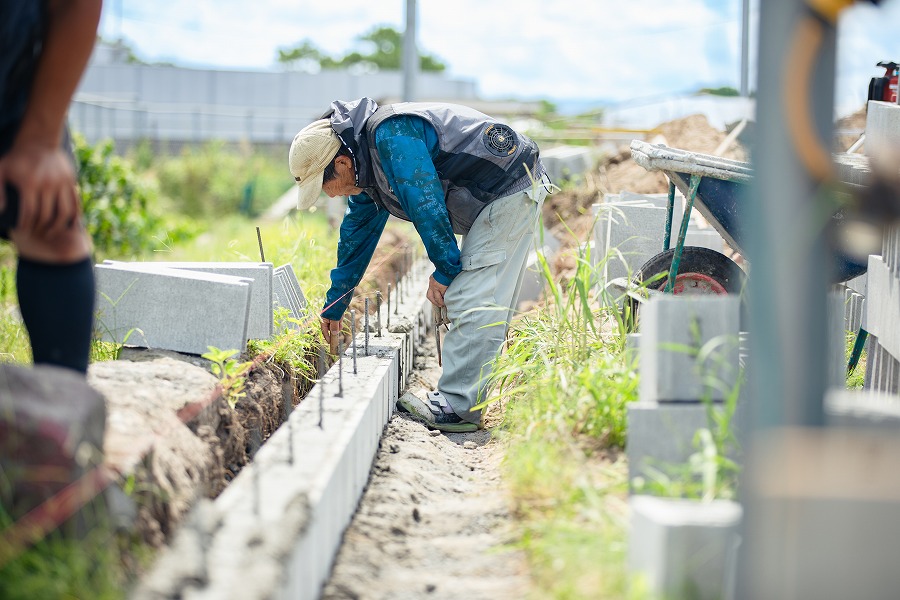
(259, 326)
(171, 309)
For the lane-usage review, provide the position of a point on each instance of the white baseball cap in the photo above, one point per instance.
(312, 150)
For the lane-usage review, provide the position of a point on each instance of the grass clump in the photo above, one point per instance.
(565, 382)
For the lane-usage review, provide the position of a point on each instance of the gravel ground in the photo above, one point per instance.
(434, 521)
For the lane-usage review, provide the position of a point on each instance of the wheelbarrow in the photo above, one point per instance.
(714, 186)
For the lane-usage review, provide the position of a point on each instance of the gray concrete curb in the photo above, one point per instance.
(274, 532)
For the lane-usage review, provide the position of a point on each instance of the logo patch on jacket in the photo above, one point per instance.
(500, 140)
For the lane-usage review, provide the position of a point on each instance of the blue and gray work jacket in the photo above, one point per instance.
(436, 165)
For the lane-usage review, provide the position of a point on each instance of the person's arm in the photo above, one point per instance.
(407, 145)
(36, 164)
(360, 230)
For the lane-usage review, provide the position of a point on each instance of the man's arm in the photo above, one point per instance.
(36, 164)
(360, 231)
(406, 145)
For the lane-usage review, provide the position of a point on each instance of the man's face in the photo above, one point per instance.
(344, 181)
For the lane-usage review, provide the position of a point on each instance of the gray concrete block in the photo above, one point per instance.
(288, 293)
(661, 436)
(821, 514)
(259, 325)
(882, 369)
(836, 338)
(856, 408)
(883, 305)
(567, 163)
(882, 129)
(689, 347)
(684, 549)
(171, 309)
(626, 236)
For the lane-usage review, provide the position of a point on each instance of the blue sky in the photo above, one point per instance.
(565, 50)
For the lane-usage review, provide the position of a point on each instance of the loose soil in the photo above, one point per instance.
(434, 521)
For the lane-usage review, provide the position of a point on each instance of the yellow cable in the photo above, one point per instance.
(801, 58)
(829, 9)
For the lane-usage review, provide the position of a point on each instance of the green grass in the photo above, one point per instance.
(566, 383)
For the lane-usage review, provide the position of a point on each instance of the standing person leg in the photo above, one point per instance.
(56, 289)
(482, 298)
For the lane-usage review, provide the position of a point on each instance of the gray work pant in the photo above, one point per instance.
(482, 299)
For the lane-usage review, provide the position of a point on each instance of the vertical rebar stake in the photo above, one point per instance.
(389, 308)
(340, 367)
(290, 441)
(397, 298)
(255, 488)
(321, 384)
(353, 337)
(262, 255)
(366, 325)
(378, 313)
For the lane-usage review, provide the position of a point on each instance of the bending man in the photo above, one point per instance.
(449, 170)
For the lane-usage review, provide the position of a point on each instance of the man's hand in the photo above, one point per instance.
(331, 331)
(45, 179)
(436, 292)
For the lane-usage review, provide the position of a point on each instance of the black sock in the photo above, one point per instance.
(57, 306)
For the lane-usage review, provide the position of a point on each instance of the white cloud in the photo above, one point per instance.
(585, 49)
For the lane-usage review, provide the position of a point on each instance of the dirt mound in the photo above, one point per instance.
(571, 209)
(848, 130)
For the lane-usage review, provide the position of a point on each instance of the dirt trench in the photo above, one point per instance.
(434, 521)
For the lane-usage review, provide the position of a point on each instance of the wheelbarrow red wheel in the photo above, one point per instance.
(702, 271)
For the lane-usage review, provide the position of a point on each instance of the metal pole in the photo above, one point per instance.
(410, 53)
(366, 324)
(745, 49)
(788, 342)
(787, 250)
(353, 337)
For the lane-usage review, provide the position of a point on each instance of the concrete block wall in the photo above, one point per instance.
(883, 316)
(274, 532)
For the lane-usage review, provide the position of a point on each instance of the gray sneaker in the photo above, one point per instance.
(434, 412)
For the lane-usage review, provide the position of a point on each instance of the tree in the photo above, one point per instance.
(386, 44)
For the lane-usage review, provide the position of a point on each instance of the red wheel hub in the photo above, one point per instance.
(695, 284)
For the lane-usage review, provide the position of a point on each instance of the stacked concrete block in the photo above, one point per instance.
(856, 408)
(288, 293)
(170, 309)
(688, 357)
(634, 224)
(676, 332)
(822, 506)
(882, 316)
(567, 163)
(683, 549)
(626, 235)
(259, 325)
(882, 129)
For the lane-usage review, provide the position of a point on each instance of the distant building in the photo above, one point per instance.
(129, 102)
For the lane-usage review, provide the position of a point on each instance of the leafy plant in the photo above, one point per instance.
(117, 207)
(230, 371)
